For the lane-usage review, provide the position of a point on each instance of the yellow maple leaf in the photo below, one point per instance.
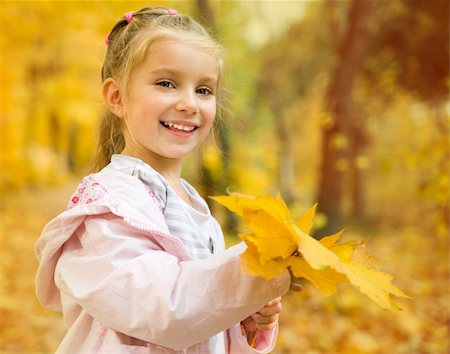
(251, 263)
(325, 279)
(375, 284)
(305, 222)
(276, 242)
(269, 219)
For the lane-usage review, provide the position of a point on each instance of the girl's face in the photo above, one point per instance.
(170, 104)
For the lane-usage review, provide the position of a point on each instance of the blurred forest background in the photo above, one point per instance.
(340, 102)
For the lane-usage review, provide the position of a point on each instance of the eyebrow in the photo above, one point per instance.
(168, 71)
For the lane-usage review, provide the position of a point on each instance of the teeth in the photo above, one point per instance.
(179, 126)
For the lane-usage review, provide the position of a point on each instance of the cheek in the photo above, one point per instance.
(211, 112)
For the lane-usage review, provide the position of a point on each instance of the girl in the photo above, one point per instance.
(137, 263)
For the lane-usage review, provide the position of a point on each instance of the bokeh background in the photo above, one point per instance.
(344, 103)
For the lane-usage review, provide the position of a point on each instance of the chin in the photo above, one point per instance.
(177, 155)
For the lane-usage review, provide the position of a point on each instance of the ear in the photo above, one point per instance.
(113, 97)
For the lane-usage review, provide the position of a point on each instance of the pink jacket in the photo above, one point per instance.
(125, 285)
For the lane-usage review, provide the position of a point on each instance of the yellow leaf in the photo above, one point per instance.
(326, 280)
(329, 241)
(363, 257)
(344, 250)
(250, 262)
(376, 285)
(306, 221)
(269, 219)
(317, 255)
(239, 203)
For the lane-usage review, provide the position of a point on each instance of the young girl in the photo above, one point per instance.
(136, 263)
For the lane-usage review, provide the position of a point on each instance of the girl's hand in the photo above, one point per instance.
(266, 318)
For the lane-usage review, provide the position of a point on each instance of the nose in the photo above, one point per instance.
(187, 102)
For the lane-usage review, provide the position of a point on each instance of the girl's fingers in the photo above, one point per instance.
(274, 302)
(267, 327)
(266, 323)
(259, 319)
(267, 317)
(274, 308)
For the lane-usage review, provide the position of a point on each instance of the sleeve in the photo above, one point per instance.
(126, 282)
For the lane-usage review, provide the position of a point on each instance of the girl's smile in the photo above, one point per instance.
(180, 127)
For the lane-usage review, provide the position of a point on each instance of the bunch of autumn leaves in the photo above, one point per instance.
(276, 242)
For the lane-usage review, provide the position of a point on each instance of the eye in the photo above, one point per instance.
(204, 91)
(165, 83)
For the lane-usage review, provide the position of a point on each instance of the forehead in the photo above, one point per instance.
(179, 56)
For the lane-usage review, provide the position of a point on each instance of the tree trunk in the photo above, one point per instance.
(335, 135)
(358, 142)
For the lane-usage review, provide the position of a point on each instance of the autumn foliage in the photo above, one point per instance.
(341, 102)
(278, 243)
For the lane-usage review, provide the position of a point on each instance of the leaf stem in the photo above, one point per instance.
(251, 338)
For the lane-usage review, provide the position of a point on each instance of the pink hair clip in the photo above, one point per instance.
(107, 38)
(129, 16)
(171, 12)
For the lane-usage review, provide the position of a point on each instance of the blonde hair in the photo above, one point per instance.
(129, 43)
